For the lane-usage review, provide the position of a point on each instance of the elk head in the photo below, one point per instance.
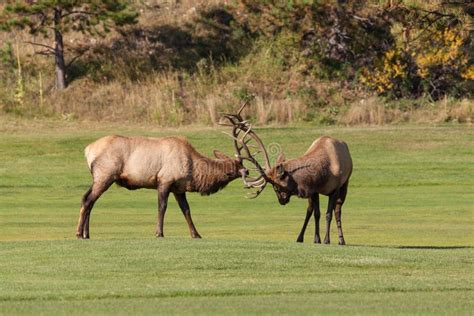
(232, 167)
(281, 180)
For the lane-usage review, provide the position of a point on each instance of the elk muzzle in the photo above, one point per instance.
(283, 198)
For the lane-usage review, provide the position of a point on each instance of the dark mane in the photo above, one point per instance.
(210, 176)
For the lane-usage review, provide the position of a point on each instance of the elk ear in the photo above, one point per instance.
(280, 170)
(220, 155)
(281, 158)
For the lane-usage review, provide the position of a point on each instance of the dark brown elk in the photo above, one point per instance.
(325, 169)
(168, 165)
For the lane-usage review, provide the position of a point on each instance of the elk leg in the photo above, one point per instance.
(183, 204)
(331, 205)
(338, 210)
(83, 213)
(88, 201)
(85, 233)
(317, 217)
(163, 193)
(309, 212)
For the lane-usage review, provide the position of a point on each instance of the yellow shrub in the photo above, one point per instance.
(468, 73)
(435, 62)
(443, 49)
(388, 74)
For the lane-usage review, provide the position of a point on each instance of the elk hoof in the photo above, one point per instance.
(79, 236)
(327, 241)
(317, 240)
(342, 242)
(160, 235)
(300, 239)
(197, 236)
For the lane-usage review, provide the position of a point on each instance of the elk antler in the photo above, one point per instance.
(243, 135)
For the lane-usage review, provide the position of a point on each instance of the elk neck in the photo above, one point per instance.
(308, 174)
(211, 175)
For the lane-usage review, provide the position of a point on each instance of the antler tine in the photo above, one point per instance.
(256, 182)
(247, 129)
(255, 194)
(245, 104)
(242, 134)
(261, 181)
(256, 153)
(234, 138)
(225, 124)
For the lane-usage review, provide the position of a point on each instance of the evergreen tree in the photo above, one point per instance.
(55, 18)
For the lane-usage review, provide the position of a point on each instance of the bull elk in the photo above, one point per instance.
(325, 169)
(168, 165)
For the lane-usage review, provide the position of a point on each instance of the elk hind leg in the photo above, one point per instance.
(337, 212)
(163, 194)
(88, 201)
(330, 209)
(83, 213)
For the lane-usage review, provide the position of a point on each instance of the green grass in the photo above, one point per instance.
(408, 222)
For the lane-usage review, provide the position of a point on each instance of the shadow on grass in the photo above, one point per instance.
(434, 247)
(417, 247)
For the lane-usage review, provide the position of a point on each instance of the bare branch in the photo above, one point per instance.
(40, 45)
(40, 24)
(78, 12)
(45, 53)
(437, 13)
(76, 58)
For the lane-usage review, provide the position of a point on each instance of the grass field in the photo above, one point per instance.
(408, 222)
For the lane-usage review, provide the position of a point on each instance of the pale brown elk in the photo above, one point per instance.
(168, 165)
(325, 169)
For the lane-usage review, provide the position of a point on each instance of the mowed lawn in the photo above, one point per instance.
(408, 222)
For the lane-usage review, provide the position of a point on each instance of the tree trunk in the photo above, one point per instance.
(59, 51)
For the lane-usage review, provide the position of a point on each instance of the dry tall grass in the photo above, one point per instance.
(368, 111)
(375, 111)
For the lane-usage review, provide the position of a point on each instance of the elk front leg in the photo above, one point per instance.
(317, 217)
(309, 212)
(337, 212)
(183, 204)
(163, 193)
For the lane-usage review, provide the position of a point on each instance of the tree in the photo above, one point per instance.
(55, 18)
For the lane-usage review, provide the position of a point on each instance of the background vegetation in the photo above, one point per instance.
(323, 61)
